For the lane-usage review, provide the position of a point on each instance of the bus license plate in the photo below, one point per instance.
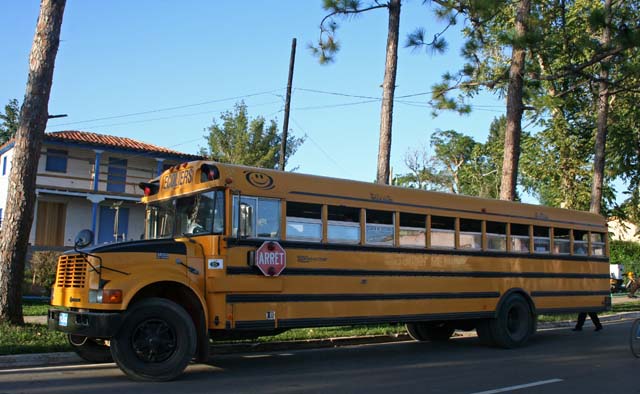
(63, 321)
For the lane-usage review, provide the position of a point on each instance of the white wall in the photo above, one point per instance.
(4, 179)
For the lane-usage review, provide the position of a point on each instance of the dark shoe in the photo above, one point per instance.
(598, 328)
(576, 329)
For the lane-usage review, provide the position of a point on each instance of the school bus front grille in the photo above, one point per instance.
(72, 271)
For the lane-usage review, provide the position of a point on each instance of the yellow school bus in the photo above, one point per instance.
(239, 252)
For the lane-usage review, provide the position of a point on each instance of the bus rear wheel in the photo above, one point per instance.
(155, 342)
(514, 324)
(423, 331)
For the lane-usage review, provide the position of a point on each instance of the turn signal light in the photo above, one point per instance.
(209, 173)
(110, 296)
(149, 188)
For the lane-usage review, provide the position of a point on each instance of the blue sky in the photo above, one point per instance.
(122, 57)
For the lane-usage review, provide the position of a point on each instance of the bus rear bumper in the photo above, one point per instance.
(88, 324)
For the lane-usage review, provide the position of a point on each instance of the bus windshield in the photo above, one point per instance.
(185, 216)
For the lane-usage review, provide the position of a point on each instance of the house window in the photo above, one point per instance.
(56, 160)
(4, 165)
(117, 175)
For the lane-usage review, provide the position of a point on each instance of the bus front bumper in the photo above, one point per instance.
(88, 324)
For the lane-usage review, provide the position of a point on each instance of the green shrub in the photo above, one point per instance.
(43, 268)
(626, 253)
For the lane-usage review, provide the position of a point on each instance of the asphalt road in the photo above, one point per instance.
(555, 361)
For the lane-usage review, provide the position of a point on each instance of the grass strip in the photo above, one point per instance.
(31, 338)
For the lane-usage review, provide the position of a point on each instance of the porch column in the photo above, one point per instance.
(95, 201)
(159, 167)
(96, 170)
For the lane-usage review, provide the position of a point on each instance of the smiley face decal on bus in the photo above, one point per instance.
(259, 180)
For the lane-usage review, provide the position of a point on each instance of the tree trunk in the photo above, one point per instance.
(16, 225)
(603, 115)
(514, 106)
(388, 91)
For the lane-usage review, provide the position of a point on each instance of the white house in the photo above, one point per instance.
(88, 180)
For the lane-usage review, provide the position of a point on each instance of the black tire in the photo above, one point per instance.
(484, 332)
(634, 338)
(514, 324)
(423, 331)
(156, 341)
(90, 349)
(416, 331)
(438, 332)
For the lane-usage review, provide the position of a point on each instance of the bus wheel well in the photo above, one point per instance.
(183, 296)
(520, 292)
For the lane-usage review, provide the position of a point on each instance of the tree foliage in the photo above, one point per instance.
(238, 139)
(9, 121)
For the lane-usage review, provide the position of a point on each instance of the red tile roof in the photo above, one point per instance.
(112, 141)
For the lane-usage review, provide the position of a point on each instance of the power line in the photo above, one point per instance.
(336, 105)
(167, 117)
(169, 108)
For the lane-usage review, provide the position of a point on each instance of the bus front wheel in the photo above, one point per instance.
(513, 325)
(155, 342)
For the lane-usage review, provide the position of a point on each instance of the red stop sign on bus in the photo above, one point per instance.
(271, 258)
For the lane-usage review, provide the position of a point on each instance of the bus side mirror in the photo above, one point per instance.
(84, 239)
(246, 220)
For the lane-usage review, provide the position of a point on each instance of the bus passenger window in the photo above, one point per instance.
(496, 236)
(412, 230)
(580, 242)
(561, 240)
(380, 228)
(541, 240)
(597, 244)
(343, 225)
(304, 221)
(519, 238)
(443, 232)
(261, 217)
(470, 234)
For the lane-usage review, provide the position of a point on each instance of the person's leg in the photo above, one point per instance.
(595, 320)
(582, 316)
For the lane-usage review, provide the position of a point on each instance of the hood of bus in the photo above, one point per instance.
(168, 245)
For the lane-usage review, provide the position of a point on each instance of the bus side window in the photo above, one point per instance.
(443, 232)
(597, 244)
(260, 217)
(496, 236)
(470, 234)
(519, 238)
(580, 242)
(380, 227)
(412, 230)
(541, 239)
(304, 221)
(343, 225)
(561, 240)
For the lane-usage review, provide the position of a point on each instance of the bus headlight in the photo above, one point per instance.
(104, 296)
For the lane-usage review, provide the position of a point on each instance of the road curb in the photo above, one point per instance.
(70, 358)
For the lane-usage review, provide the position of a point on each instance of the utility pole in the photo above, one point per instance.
(287, 105)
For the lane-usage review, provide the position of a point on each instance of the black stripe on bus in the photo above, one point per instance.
(255, 298)
(359, 199)
(342, 321)
(470, 274)
(233, 242)
(569, 293)
(554, 311)
(145, 246)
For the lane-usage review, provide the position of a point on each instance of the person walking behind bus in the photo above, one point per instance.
(582, 316)
(632, 285)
